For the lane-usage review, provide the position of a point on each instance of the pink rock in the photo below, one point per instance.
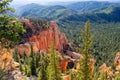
(73, 54)
(42, 40)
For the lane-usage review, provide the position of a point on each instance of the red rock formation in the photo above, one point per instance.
(108, 70)
(42, 39)
(117, 61)
(25, 48)
(92, 65)
(73, 54)
(6, 60)
(67, 77)
(63, 64)
(103, 67)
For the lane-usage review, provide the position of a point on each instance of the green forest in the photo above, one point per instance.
(92, 32)
(106, 39)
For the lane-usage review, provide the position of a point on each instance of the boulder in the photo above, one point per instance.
(73, 55)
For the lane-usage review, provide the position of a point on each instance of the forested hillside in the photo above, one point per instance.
(106, 38)
(104, 18)
(47, 12)
(91, 6)
(80, 11)
(69, 41)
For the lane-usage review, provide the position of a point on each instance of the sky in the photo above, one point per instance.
(44, 1)
(18, 3)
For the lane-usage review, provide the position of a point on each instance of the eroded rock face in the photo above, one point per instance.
(6, 60)
(26, 48)
(66, 64)
(117, 61)
(92, 65)
(73, 55)
(41, 39)
(106, 69)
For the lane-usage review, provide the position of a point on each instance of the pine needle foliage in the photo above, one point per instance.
(84, 68)
(53, 67)
(28, 64)
(117, 77)
(35, 64)
(42, 70)
(102, 76)
(4, 6)
(40, 23)
(10, 27)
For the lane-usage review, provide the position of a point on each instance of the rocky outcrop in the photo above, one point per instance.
(41, 39)
(66, 64)
(73, 55)
(6, 60)
(107, 70)
(117, 61)
(67, 77)
(92, 65)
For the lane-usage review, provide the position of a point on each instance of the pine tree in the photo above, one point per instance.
(53, 67)
(84, 68)
(42, 70)
(4, 6)
(102, 76)
(35, 64)
(33, 57)
(10, 27)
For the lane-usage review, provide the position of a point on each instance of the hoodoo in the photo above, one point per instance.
(41, 38)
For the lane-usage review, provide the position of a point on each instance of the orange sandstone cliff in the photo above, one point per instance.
(41, 39)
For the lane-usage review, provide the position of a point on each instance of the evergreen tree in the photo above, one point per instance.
(33, 57)
(4, 6)
(43, 63)
(102, 76)
(10, 27)
(53, 67)
(84, 68)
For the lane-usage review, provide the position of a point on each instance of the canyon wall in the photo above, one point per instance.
(41, 39)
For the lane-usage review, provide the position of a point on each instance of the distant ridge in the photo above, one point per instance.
(79, 11)
(52, 12)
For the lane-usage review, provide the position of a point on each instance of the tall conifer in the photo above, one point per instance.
(84, 68)
(53, 67)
